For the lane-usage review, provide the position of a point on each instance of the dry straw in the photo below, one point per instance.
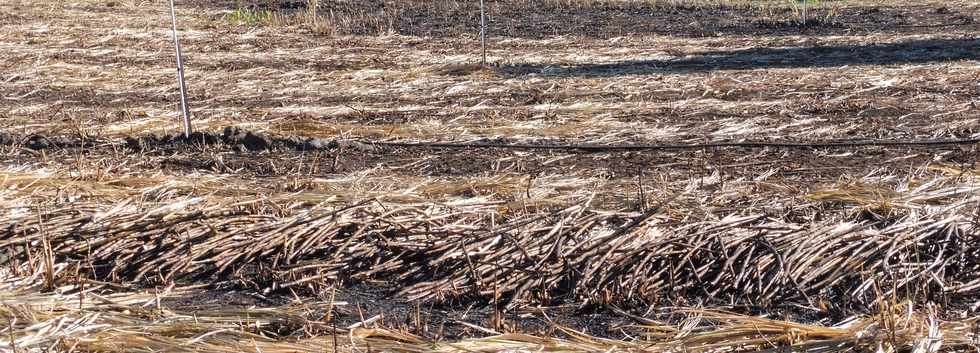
(90, 320)
(432, 252)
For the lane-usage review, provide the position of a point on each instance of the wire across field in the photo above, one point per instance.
(648, 176)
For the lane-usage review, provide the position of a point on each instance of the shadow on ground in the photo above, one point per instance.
(607, 19)
(907, 52)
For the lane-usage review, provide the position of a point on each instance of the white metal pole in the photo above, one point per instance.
(180, 75)
(804, 13)
(483, 32)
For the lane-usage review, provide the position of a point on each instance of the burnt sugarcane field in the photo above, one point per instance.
(665, 176)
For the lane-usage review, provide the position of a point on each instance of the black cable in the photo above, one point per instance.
(675, 147)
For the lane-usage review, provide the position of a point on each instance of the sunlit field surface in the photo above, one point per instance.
(358, 182)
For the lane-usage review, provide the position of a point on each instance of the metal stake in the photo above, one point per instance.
(483, 32)
(804, 13)
(180, 75)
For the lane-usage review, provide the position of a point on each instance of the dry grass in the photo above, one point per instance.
(353, 85)
(135, 321)
(750, 250)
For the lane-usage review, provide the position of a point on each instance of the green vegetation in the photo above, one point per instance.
(249, 17)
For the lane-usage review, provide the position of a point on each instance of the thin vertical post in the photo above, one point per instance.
(180, 75)
(314, 4)
(483, 32)
(804, 13)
